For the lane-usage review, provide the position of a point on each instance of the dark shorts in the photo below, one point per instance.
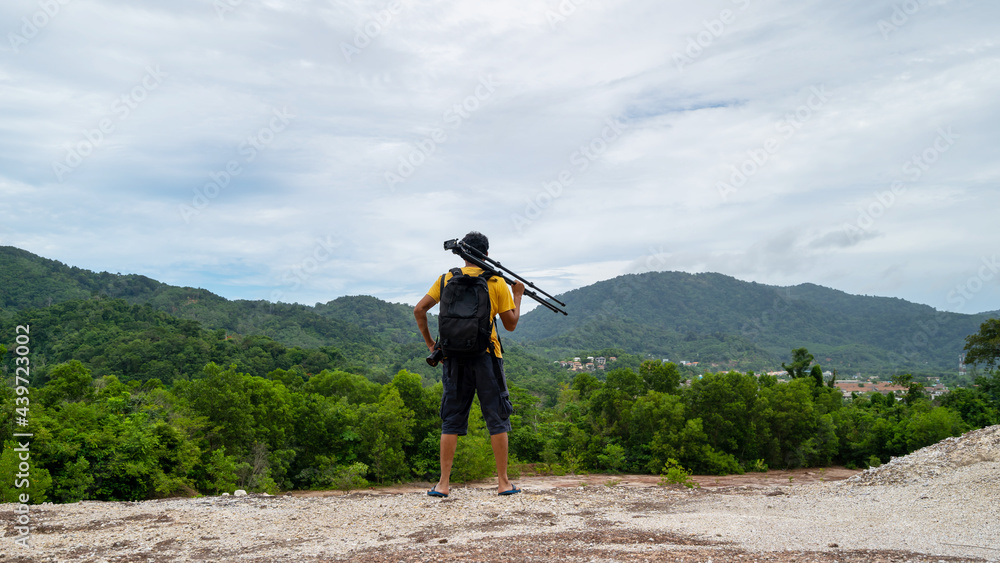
(462, 379)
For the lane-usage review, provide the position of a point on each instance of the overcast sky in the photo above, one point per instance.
(304, 150)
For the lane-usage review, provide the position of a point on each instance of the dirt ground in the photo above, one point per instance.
(768, 480)
(569, 519)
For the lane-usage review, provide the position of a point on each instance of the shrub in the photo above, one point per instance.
(674, 474)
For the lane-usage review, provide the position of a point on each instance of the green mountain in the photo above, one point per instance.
(28, 281)
(718, 319)
(139, 328)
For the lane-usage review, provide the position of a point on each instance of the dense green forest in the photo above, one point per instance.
(142, 390)
(220, 428)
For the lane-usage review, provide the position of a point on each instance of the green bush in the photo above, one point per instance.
(674, 474)
(39, 482)
(612, 458)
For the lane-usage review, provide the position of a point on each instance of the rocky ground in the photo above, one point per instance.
(941, 503)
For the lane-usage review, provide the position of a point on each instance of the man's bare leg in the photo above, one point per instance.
(449, 442)
(499, 443)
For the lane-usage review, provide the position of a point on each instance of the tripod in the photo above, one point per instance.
(497, 269)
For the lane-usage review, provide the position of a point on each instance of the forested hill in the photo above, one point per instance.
(708, 318)
(28, 281)
(366, 331)
(716, 318)
(364, 323)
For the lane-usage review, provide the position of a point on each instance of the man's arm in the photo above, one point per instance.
(420, 313)
(510, 318)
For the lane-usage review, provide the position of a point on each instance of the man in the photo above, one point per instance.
(482, 374)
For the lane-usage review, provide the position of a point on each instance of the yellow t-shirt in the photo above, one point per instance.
(501, 300)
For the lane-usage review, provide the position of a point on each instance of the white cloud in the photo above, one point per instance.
(650, 192)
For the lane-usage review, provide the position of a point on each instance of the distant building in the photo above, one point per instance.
(936, 390)
(854, 386)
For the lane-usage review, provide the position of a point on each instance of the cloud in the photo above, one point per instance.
(411, 88)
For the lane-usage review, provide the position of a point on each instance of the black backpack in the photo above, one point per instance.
(465, 322)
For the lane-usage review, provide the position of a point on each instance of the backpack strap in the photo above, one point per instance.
(498, 335)
(493, 320)
(454, 272)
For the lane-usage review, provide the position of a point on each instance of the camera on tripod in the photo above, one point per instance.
(488, 265)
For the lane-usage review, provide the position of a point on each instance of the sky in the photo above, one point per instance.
(299, 151)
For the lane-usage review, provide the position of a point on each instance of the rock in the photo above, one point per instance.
(240, 493)
(977, 446)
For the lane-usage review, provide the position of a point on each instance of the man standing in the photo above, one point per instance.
(463, 377)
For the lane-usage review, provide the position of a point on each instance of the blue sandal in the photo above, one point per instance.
(434, 493)
(512, 491)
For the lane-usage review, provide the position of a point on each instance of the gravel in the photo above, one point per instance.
(938, 504)
(981, 445)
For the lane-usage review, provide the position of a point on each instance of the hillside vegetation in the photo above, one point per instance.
(718, 319)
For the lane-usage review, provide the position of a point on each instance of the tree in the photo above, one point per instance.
(984, 346)
(11, 488)
(973, 405)
(385, 428)
(727, 405)
(221, 396)
(801, 358)
(69, 382)
(799, 435)
(914, 390)
(660, 376)
(817, 373)
(585, 384)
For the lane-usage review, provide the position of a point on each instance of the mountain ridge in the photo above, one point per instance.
(705, 317)
(841, 329)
